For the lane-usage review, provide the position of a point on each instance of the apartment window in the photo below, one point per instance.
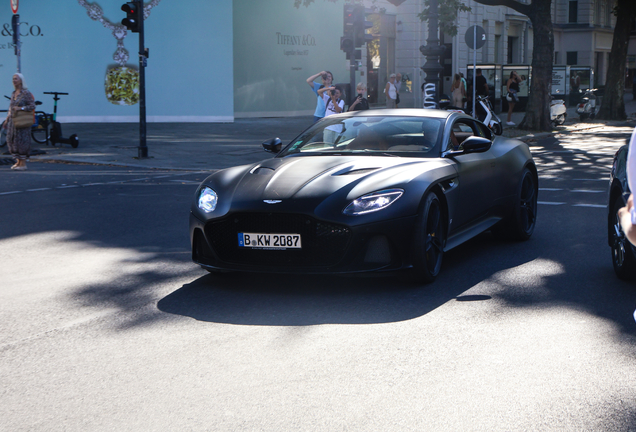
(512, 50)
(572, 58)
(573, 16)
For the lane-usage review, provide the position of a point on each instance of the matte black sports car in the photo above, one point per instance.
(623, 252)
(366, 192)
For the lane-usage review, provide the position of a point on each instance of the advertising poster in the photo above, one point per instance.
(81, 48)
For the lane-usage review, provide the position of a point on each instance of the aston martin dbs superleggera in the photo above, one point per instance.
(369, 191)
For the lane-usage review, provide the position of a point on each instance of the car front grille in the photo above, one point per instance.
(323, 243)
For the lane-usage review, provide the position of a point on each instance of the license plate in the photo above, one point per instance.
(269, 241)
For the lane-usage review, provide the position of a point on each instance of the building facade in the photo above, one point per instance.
(226, 59)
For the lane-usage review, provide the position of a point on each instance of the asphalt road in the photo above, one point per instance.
(105, 324)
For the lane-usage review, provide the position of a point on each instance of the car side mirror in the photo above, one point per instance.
(476, 145)
(273, 145)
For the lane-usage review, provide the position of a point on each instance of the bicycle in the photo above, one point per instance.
(46, 128)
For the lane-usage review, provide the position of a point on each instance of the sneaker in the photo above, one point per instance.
(20, 168)
(510, 123)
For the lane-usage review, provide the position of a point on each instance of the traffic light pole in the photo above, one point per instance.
(143, 148)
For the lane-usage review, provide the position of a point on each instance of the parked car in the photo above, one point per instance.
(623, 252)
(369, 191)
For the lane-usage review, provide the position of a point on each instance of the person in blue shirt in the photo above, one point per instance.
(327, 79)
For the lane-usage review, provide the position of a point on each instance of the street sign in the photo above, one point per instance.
(14, 6)
(477, 40)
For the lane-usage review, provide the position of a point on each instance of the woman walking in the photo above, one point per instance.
(512, 97)
(391, 92)
(19, 139)
(458, 92)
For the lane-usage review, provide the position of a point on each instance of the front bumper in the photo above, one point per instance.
(328, 247)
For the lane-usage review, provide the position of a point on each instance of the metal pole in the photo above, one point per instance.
(143, 149)
(474, 67)
(433, 50)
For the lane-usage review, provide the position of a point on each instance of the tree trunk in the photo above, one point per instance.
(613, 103)
(538, 109)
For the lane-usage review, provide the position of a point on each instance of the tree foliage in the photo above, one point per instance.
(447, 14)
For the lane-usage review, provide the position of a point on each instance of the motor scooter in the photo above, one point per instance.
(587, 107)
(558, 112)
(485, 111)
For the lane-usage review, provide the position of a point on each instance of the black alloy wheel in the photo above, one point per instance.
(623, 258)
(430, 238)
(521, 223)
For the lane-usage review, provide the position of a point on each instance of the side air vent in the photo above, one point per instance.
(262, 171)
(357, 172)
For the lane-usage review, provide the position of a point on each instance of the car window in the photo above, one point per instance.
(461, 129)
(416, 136)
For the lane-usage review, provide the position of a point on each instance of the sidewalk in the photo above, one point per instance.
(211, 146)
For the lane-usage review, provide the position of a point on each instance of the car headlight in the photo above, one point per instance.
(373, 202)
(208, 199)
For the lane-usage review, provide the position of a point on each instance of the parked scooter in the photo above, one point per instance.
(485, 112)
(587, 107)
(558, 112)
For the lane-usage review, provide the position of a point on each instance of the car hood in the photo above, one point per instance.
(305, 183)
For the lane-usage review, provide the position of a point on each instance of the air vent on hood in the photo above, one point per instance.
(262, 171)
(357, 171)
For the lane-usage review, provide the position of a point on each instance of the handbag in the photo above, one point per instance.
(23, 119)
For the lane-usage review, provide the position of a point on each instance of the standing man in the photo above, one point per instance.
(481, 89)
(327, 79)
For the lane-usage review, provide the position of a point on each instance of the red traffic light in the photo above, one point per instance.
(133, 16)
(129, 8)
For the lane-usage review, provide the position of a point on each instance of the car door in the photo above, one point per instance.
(476, 175)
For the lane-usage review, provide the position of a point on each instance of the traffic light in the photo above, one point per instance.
(348, 19)
(15, 28)
(357, 54)
(360, 26)
(133, 15)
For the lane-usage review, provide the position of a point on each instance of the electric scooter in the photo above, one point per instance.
(587, 107)
(558, 112)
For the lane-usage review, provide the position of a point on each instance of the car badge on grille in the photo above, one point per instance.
(272, 201)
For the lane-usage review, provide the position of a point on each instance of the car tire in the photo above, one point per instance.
(521, 223)
(430, 238)
(623, 258)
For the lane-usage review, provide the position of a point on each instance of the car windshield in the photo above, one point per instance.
(391, 135)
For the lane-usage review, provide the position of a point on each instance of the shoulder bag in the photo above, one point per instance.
(23, 119)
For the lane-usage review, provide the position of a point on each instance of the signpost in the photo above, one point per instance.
(475, 38)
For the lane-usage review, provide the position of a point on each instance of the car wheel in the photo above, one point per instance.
(521, 223)
(623, 257)
(430, 237)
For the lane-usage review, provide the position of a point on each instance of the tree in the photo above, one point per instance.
(613, 103)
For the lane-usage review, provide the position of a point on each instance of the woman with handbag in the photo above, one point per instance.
(511, 97)
(20, 118)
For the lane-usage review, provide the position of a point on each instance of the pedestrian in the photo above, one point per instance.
(327, 79)
(360, 103)
(19, 138)
(334, 105)
(458, 92)
(461, 74)
(512, 96)
(398, 86)
(480, 85)
(627, 214)
(391, 92)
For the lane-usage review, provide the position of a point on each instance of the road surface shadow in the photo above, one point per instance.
(285, 300)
